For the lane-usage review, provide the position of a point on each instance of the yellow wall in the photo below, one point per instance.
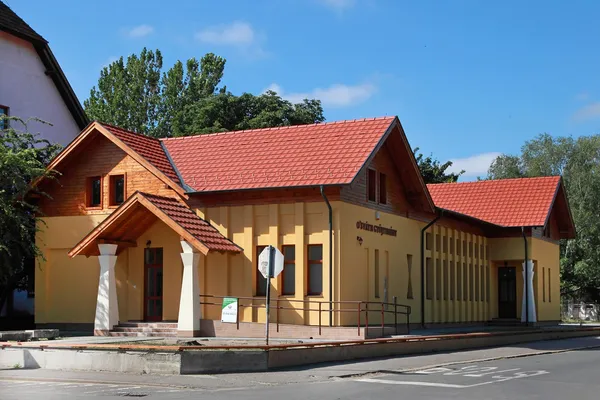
(358, 263)
(546, 256)
(160, 235)
(66, 288)
(299, 224)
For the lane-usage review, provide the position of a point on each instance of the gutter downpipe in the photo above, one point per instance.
(433, 221)
(330, 255)
(526, 283)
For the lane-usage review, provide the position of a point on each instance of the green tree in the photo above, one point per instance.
(433, 171)
(186, 100)
(23, 157)
(129, 93)
(578, 161)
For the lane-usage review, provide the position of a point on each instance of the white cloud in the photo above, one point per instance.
(591, 111)
(338, 4)
(476, 165)
(140, 31)
(235, 34)
(337, 95)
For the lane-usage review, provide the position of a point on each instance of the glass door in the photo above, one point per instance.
(153, 290)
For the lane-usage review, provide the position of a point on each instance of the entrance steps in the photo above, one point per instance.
(141, 329)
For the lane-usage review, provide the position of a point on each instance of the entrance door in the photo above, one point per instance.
(153, 278)
(507, 292)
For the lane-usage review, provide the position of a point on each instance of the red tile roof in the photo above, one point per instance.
(503, 202)
(304, 155)
(147, 147)
(196, 226)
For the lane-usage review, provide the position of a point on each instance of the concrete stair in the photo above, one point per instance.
(142, 329)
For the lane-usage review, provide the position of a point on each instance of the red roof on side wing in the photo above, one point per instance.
(503, 202)
(147, 147)
(303, 155)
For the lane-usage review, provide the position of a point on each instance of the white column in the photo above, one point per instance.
(528, 288)
(188, 323)
(107, 307)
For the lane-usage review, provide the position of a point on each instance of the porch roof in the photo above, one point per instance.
(139, 212)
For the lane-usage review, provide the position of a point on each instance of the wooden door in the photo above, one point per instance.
(153, 287)
(507, 292)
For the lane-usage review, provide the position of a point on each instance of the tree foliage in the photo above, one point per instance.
(433, 171)
(185, 100)
(23, 157)
(578, 161)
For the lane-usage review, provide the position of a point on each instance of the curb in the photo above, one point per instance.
(178, 360)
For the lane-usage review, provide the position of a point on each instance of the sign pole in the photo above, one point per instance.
(270, 273)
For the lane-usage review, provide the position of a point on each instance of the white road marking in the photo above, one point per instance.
(471, 371)
(413, 383)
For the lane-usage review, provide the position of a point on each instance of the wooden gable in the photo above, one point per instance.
(406, 192)
(97, 156)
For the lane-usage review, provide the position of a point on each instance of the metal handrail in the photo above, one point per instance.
(358, 306)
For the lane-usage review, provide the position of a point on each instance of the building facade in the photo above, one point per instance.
(140, 229)
(32, 85)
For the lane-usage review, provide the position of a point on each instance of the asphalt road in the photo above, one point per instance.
(556, 376)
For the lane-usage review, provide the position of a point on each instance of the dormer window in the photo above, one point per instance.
(117, 190)
(372, 185)
(94, 192)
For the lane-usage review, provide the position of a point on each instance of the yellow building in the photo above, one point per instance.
(145, 230)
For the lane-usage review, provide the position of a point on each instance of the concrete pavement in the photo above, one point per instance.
(561, 370)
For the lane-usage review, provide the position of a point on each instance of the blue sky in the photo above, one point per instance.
(468, 79)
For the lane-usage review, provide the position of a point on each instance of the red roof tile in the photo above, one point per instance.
(303, 155)
(503, 202)
(147, 147)
(196, 226)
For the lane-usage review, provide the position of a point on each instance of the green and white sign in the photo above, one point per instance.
(229, 310)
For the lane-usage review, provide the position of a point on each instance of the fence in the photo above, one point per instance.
(572, 311)
(362, 310)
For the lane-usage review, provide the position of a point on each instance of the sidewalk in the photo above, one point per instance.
(308, 374)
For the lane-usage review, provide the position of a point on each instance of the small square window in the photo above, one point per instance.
(117, 190)
(372, 185)
(94, 192)
(382, 189)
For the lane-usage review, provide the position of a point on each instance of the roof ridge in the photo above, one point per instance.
(128, 131)
(277, 128)
(28, 32)
(494, 180)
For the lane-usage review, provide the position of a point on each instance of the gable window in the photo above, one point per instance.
(315, 269)
(288, 276)
(117, 190)
(382, 189)
(261, 281)
(372, 185)
(3, 113)
(94, 192)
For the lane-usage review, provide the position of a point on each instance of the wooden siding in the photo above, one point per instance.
(100, 157)
(264, 196)
(397, 202)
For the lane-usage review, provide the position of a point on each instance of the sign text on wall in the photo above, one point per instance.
(365, 226)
